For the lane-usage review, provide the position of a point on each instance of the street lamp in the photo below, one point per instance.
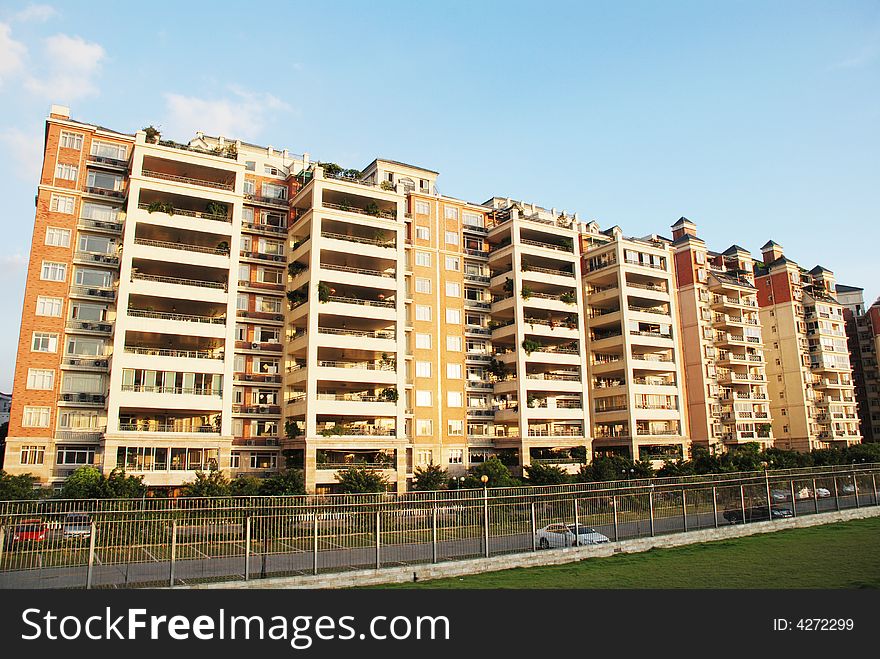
(484, 479)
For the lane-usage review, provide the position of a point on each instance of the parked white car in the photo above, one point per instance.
(563, 535)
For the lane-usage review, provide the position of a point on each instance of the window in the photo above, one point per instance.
(423, 285)
(453, 316)
(62, 204)
(700, 257)
(100, 212)
(269, 275)
(52, 271)
(35, 417)
(456, 456)
(701, 275)
(454, 398)
(423, 208)
(423, 233)
(49, 306)
(423, 341)
(423, 369)
(40, 378)
(249, 186)
(109, 150)
(75, 455)
(453, 263)
(105, 181)
(268, 304)
(56, 237)
(241, 302)
(424, 427)
(455, 428)
(453, 371)
(423, 259)
(453, 289)
(66, 172)
(71, 140)
(87, 277)
(247, 215)
(92, 383)
(85, 346)
(274, 191)
(234, 460)
(250, 165)
(95, 244)
(472, 219)
(425, 457)
(423, 312)
(86, 311)
(272, 171)
(452, 238)
(453, 343)
(423, 398)
(450, 212)
(32, 455)
(44, 342)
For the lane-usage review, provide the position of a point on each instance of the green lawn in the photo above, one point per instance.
(843, 555)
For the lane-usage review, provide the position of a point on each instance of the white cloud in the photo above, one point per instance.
(243, 115)
(73, 63)
(26, 150)
(38, 13)
(12, 53)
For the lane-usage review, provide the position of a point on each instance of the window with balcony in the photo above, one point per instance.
(91, 383)
(109, 150)
(268, 304)
(87, 311)
(105, 181)
(85, 346)
(89, 277)
(250, 187)
(100, 212)
(273, 191)
(96, 244)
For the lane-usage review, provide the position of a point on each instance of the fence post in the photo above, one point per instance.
(856, 489)
(616, 528)
(769, 498)
(534, 528)
(684, 508)
(94, 531)
(486, 520)
(815, 497)
(651, 506)
(173, 551)
(315, 543)
(378, 539)
(434, 534)
(793, 499)
(577, 525)
(742, 501)
(836, 495)
(247, 548)
(2, 543)
(715, 504)
(874, 485)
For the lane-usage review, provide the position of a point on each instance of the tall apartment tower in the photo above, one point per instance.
(633, 336)
(812, 402)
(862, 340)
(724, 363)
(539, 357)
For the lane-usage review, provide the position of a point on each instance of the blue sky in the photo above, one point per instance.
(755, 120)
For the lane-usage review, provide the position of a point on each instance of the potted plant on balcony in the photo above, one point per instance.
(389, 394)
(508, 285)
(525, 265)
(498, 369)
(387, 185)
(372, 209)
(160, 207)
(568, 297)
(335, 429)
(526, 292)
(153, 134)
(296, 298)
(291, 429)
(571, 321)
(323, 292)
(216, 209)
(295, 267)
(223, 247)
(530, 345)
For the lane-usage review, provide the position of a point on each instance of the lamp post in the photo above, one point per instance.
(485, 480)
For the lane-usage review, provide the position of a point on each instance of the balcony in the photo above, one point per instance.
(88, 363)
(545, 245)
(168, 352)
(99, 225)
(88, 326)
(264, 228)
(189, 180)
(257, 409)
(221, 251)
(179, 281)
(276, 202)
(170, 210)
(179, 391)
(377, 334)
(386, 304)
(92, 258)
(358, 271)
(104, 192)
(389, 244)
(86, 398)
(93, 292)
(187, 318)
(359, 365)
(372, 212)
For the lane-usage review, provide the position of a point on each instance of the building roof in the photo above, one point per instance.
(818, 269)
(735, 249)
(843, 288)
(683, 221)
(402, 164)
(770, 245)
(730, 279)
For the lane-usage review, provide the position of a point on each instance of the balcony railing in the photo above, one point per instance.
(388, 304)
(538, 243)
(377, 334)
(168, 352)
(359, 271)
(180, 281)
(391, 244)
(266, 201)
(660, 311)
(90, 435)
(564, 377)
(104, 192)
(269, 228)
(656, 335)
(91, 257)
(222, 251)
(262, 256)
(657, 432)
(272, 378)
(157, 389)
(99, 225)
(556, 432)
(94, 291)
(652, 358)
(188, 180)
(79, 397)
(86, 362)
(657, 288)
(188, 213)
(388, 215)
(363, 366)
(146, 426)
(548, 271)
(185, 317)
(89, 326)
(361, 431)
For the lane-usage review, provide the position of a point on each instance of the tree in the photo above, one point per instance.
(432, 477)
(118, 485)
(541, 474)
(614, 468)
(89, 483)
(355, 480)
(245, 486)
(212, 484)
(14, 488)
(497, 473)
(289, 481)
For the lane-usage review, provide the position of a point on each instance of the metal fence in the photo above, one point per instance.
(167, 542)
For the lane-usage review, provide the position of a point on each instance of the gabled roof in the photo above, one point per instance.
(819, 269)
(769, 245)
(735, 249)
(730, 279)
(683, 221)
(843, 288)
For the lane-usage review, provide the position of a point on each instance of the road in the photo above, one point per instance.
(232, 568)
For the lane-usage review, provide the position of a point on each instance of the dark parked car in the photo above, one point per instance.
(755, 514)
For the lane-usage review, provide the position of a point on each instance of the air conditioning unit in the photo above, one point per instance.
(250, 442)
(255, 345)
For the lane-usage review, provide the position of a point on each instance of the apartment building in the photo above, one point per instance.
(862, 332)
(812, 399)
(637, 396)
(723, 345)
